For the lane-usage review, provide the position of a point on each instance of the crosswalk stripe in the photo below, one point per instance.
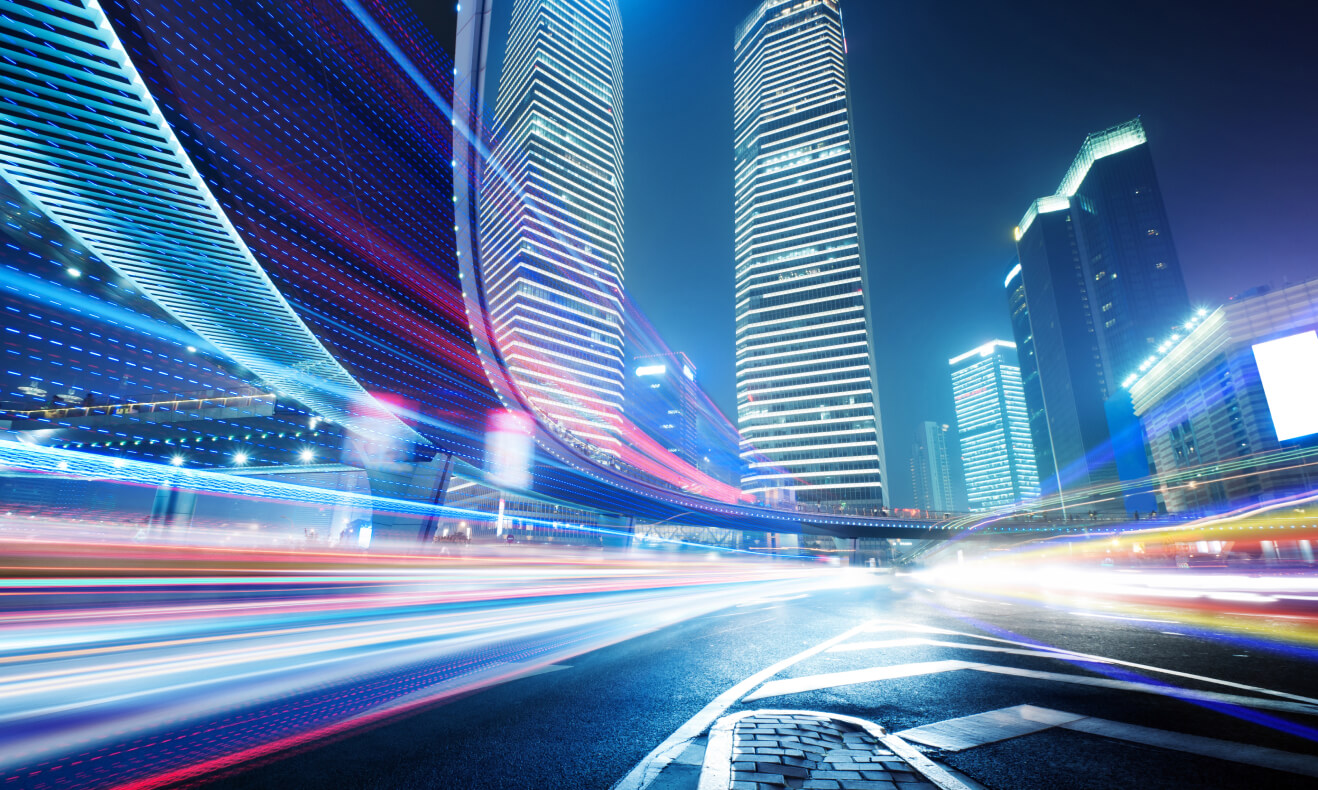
(967, 732)
(851, 677)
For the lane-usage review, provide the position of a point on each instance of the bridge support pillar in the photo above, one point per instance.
(172, 509)
(425, 482)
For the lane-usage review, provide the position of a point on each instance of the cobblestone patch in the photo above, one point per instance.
(797, 750)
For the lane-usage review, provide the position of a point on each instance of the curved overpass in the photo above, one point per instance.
(249, 241)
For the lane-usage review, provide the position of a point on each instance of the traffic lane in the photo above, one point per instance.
(580, 727)
(1056, 759)
(141, 696)
(1050, 758)
(1152, 636)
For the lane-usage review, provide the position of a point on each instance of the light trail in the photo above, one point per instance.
(116, 671)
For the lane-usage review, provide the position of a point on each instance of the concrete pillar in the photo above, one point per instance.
(172, 510)
(424, 482)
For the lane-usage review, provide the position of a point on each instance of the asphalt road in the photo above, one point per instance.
(589, 721)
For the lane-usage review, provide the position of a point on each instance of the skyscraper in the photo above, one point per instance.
(807, 402)
(992, 426)
(1103, 287)
(1029, 366)
(931, 469)
(552, 219)
(662, 402)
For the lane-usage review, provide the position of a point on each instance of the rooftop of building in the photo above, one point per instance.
(982, 351)
(1207, 332)
(1097, 145)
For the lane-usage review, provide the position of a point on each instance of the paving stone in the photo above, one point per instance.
(753, 776)
(846, 776)
(812, 753)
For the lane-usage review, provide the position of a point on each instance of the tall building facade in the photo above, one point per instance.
(1102, 288)
(1030, 384)
(931, 469)
(807, 401)
(1230, 407)
(552, 214)
(997, 452)
(664, 402)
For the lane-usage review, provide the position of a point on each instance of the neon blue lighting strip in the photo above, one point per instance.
(85, 141)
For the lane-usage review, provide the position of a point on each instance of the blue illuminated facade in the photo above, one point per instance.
(1102, 287)
(997, 453)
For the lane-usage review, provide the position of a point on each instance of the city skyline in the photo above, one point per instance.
(335, 451)
(988, 147)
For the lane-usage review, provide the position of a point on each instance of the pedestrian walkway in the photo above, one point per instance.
(781, 749)
(771, 750)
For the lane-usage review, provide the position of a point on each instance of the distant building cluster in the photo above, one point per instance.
(1113, 394)
(1117, 396)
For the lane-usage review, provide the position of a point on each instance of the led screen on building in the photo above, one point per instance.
(1288, 367)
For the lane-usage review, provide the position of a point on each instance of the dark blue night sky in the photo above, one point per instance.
(964, 112)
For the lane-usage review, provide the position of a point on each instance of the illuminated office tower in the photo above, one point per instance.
(663, 402)
(993, 427)
(807, 403)
(931, 469)
(552, 220)
(1104, 288)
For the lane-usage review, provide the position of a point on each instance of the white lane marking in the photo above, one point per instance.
(1101, 659)
(778, 688)
(1121, 617)
(931, 770)
(716, 771)
(915, 641)
(970, 731)
(716, 774)
(1248, 754)
(967, 732)
(830, 680)
(647, 769)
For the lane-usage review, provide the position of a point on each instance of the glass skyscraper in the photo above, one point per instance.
(993, 427)
(1030, 385)
(1102, 288)
(931, 469)
(807, 402)
(552, 214)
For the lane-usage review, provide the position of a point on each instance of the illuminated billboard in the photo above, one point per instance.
(1288, 367)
